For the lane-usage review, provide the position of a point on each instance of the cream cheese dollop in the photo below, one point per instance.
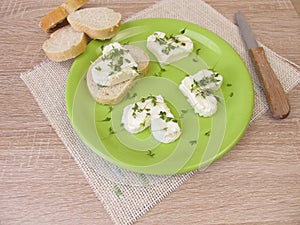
(136, 117)
(116, 66)
(208, 79)
(169, 49)
(165, 131)
(200, 91)
(151, 111)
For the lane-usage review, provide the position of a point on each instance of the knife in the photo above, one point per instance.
(276, 97)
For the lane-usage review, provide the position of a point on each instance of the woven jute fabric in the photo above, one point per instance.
(127, 195)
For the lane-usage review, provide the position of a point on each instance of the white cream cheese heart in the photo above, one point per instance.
(151, 111)
(199, 90)
(208, 79)
(169, 49)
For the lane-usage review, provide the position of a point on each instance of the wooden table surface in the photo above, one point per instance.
(258, 182)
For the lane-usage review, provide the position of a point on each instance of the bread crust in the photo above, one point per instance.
(72, 5)
(93, 32)
(106, 95)
(53, 18)
(103, 34)
(59, 14)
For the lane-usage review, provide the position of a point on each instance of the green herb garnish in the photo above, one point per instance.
(207, 133)
(111, 131)
(150, 153)
(106, 119)
(208, 80)
(200, 87)
(98, 68)
(193, 142)
(163, 116)
(168, 41)
(183, 31)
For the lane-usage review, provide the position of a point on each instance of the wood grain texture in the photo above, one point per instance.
(258, 182)
(276, 97)
(296, 4)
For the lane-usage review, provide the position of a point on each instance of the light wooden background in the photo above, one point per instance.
(258, 182)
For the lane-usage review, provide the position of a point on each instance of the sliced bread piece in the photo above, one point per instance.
(59, 15)
(114, 94)
(73, 5)
(98, 23)
(53, 18)
(64, 44)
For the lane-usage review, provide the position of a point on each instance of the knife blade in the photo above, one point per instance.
(275, 95)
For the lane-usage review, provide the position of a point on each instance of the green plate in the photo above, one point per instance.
(203, 140)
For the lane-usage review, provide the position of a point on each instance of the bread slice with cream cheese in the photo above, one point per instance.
(114, 94)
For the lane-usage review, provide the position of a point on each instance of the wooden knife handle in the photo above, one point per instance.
(276, 97)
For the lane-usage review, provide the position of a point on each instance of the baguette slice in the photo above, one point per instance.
(64, 44)
(59, 15)
(98, 23)
(114, 94)
(73, 5)
(53, 18)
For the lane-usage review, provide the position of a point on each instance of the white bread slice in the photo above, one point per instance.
(98, 23)
(64, 44)
(114, 94)
(59, 14)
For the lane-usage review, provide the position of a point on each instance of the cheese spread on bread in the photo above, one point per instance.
(199, 90)
(117, 65)
(169, 49)
(151, 111)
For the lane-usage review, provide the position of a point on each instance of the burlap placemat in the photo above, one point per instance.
(127, 195)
